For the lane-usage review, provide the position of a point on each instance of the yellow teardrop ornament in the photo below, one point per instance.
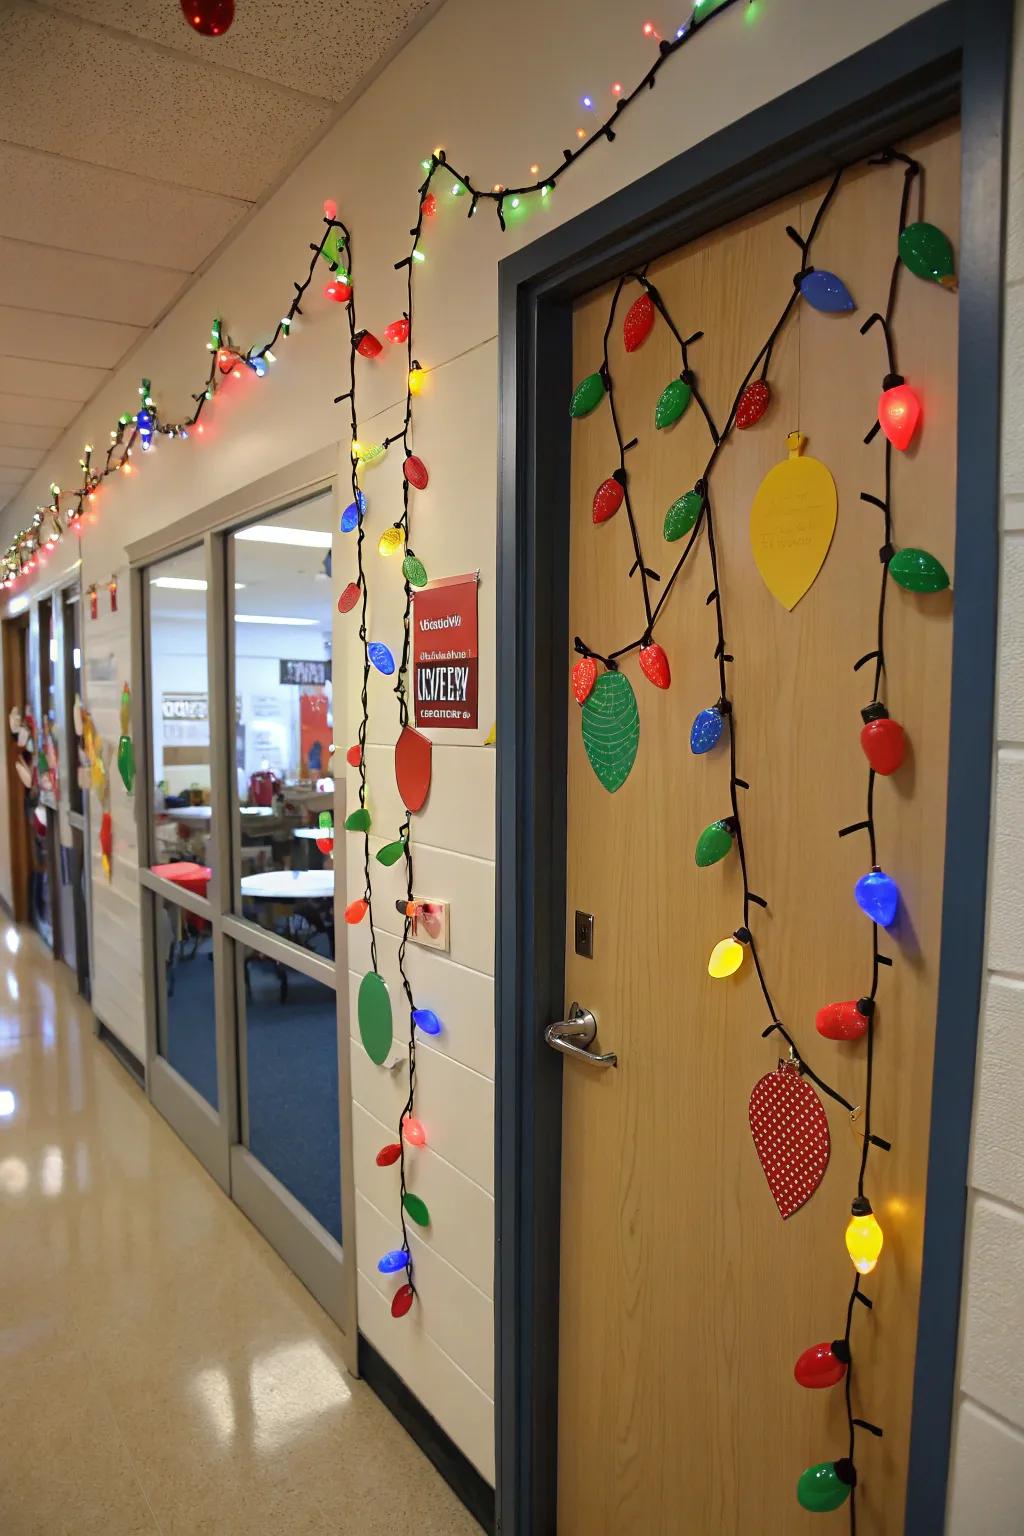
(792, 522)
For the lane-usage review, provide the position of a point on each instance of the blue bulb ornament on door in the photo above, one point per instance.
(826, 292)
(878, 897)
(393, 1261)
(706, 730)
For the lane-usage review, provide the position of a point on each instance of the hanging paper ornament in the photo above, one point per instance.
(413, 1131)
(706, 730)
(367, 345)
(389, 1154)
(826, 1485)
(588, 393)
(726, 957)
(210, 18)
(390, 541)
(792, 522)
(339, 291)
(584, 676)
(367, 453)
(714, 843)
(672, 402)
(414, 571)
(426, 1020)
(790, 1131)
(126, 762)
(918, 571)
(333, 247)
(844, 1021)
(392, 1262)
(350, 519)
(107, 844)
(381, 657)
(356, 911)
(354, 756)
(415, 471)
(608, 497)
(882, 739)
(412, 767)
(878, 895)
(397, 331)
(823, 1365)
(417, 379)
(416, 1209)
(358, 821)
(826, 292)
(682, 515)
(926, 252)
(325, 842)
(374, 1012)
(402, 1300)
(899, 411)
(349, 597)
(752, 404)
(611, 729)
(654, 664)
(638, 322)
(391, 852)
(864, 1239)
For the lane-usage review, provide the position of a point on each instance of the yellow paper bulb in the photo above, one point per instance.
(726, 957)
(417, 378)
(390, 541)
(864, 1242)
(366, 452)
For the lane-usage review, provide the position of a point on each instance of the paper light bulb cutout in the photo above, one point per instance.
(354, 756)
(588, 393)
(844, 1021)
(863, 1237)
(714, 843)
(654, 665)
(392, 1262)
(878, 896)
(356, 911)
(426, 1020)
(706, 730)
(638, 323)
(367, 344)
(608, 498)
(752, 404)
(826, 1485)
(882, 739)
(672, 403)
(381, 657)
(926, 252)
(402, 1300)
(823, 1365)
(415, 471)
(349, 597)
(918, 571)
(584, 676)
(413, 1131)
(726, 957)
(899, 411)
(389, 1154)
(826, 292)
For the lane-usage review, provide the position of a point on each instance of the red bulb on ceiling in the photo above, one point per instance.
(899, 411)
(428, 207)
(367, 344)
(397, 331)
(639, 322)
(654, 664)
(415, 471)
(584, 676)
(349, 597)
(338, 291)
(608, 498)
(389, 1154)
(752, 404)
(402, 1300)
(823, 1365)
(354, 756)
(843, 1021)
(210, 18)
(883, 739)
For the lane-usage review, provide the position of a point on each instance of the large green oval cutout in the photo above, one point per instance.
(611, 729)
(375, 1027)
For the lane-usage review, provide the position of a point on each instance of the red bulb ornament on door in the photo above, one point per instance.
(210, 18)
(415, 471)
(402, 1300)
(823, 1365)
(899, 411)
(654, 665)
(638, 322)
(608, 498)
(844, 1021)
(752, 404)
(883, 740)
(584, 676)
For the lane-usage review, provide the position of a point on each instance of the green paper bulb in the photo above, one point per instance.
(918, 571)
(126, 762)
(414, 571)
(391, 852)
(674, 399)
(825, 1486)
(359, 821)
(588, 393)
(416, 1209)
(611, 729)
(713, 844)
(682, 515)
(926, 252)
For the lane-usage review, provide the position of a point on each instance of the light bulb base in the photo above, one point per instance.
(860, 1206)
(874, 712)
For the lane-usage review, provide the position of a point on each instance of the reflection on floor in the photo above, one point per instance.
(162, 1371)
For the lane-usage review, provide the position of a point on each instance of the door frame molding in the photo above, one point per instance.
(954, 57)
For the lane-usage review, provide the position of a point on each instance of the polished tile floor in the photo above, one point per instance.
(161, 1371)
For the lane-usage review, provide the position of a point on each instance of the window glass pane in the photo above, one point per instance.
(282, 614)
(185, 982)
(180, 727)
(291, 1053)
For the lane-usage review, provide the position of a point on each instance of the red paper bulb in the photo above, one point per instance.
(354, 756)
(356, 910)
(584, 676)
(338, 291)
(402, 1300)
(638, 322)
(883, 739)
(210, 18)
(753, 403)
(389, 1154)
(413, 1131)
(608, 499)
(842, 1021)
(397, 331)
(822, 1365)
(899, 411)
(428, 207)
(654, 665)
(349, 597)
(325, 844)
(415, 471)
(367, 344)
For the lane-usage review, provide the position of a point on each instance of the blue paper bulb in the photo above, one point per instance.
(878, 895)
(393, 1261)
(350, 518)
(381, 657)
(706, 730)
(825, 291)
(427, 1020)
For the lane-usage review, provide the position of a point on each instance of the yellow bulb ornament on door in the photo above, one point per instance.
(792, 522)
(864, 1237)
(390, 541)
(726, 957)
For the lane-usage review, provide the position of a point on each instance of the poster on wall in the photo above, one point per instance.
(445, 652)
(186, 719)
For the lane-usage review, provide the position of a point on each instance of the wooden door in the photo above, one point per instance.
(685, 1298)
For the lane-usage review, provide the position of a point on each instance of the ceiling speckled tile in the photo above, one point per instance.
(64, 338)
(205, 141)
(18, 458)
(37, 410)
(61, 381)
(96, 287)
(18, 435)
(321, 46)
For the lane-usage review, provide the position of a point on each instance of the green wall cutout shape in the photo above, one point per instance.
(416, 1210)
(375, 1027)
(611, 729)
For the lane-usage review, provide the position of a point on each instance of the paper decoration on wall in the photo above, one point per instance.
(608, 497)
(826, 292)
(672, 403)
(402, 1300)
(926, 251)
(826, 1485)
(792, 522)
(714, 843)
(349, 597)
(125, 749)
(584, 676)
(391, 852)
(94, 602)
(416, 1209)
(414, 571)
(918, 571)
(790, 1132)
(639, 322)
(325, 841)
(412, 767)
(375, 1026)
(654, 664)
(588, 393)
(492, 735)
(77, 716)
(752, 404)
(107, 844)
(101, 789)
(611, 729)
(682, 515)
(112, 589)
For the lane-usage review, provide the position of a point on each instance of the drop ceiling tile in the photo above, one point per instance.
(97, 287)
(20, 435)
(57, 381)
(191, 123)
(18, 458)
(109, 213)
(37, 410)
(321, 46)
(30, 333)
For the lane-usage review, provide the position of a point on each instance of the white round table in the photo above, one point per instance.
(188, 812)
(289, 884)
(256, 810)
(315, 832)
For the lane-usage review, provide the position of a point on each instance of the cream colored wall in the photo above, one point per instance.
(499, 87)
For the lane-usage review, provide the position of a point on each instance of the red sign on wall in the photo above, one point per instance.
(445, 653)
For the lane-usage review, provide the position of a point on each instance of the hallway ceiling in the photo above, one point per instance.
(131, 149)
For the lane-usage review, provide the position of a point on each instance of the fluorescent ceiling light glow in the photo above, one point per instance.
(269, 618)
(186, 583)
(270, 533)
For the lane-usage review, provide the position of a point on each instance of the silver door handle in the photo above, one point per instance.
(575, 1035)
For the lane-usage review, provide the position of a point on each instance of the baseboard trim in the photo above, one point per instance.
(124, 1054)
(439, 1448)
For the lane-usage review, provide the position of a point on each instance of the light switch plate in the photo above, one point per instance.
(429, 927)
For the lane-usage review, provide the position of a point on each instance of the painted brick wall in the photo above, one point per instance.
(987, 1489)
